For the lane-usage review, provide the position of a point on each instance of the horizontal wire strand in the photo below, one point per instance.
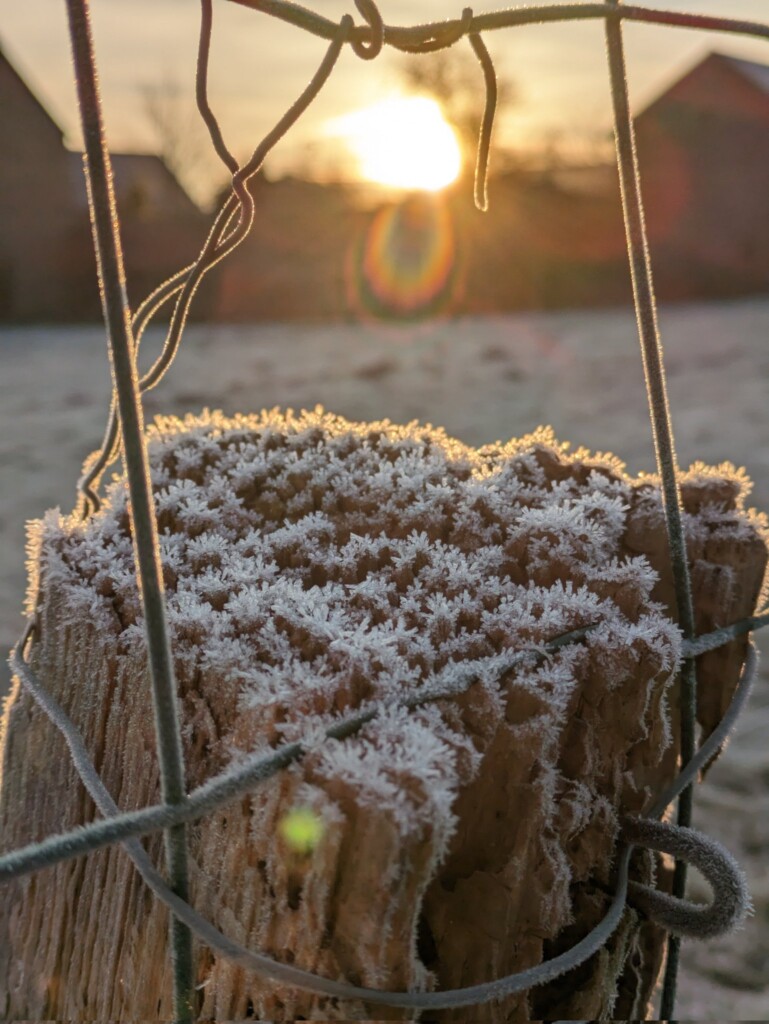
(231, 784)
(287, 974)
(425, 34)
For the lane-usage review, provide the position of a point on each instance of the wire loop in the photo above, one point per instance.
(731, 899)
(372, 49)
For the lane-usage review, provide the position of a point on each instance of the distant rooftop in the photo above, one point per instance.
(757, 73)
(754, 73)
(143, 182)
(9, 69)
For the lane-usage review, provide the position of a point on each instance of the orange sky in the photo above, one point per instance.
(260, 65)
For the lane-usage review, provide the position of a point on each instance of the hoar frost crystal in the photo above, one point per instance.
(314, 566)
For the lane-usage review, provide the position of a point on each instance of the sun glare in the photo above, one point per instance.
(403, 142)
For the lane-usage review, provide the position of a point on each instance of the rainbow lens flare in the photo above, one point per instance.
(405, 265)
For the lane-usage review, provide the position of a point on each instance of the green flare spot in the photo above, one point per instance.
(301, 829)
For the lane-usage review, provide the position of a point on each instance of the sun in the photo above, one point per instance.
(403, 142)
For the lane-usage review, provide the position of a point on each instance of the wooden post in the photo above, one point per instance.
(313, 565)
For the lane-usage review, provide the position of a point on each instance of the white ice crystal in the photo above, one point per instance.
(318, 566)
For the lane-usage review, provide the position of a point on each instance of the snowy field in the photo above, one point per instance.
(483, 380)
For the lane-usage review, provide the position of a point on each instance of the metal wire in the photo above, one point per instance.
(143, 522)
(417, 39)
(221, 241)
(487, 125)
(230, 227)
(725, 877)
(418, 36)
(711, 641)
(230, 784)
(372, 49)
(662, 430)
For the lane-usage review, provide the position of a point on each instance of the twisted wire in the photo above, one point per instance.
(369, 50)
(222, 239)
(440, 37)
(416, 36)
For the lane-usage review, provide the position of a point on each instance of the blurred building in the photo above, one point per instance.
(36, 203)
(554, 238)
(47, 269)
(704, 155)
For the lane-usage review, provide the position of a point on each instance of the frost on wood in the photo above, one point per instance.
(315, 566)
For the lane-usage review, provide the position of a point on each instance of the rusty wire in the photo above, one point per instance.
(230, 227)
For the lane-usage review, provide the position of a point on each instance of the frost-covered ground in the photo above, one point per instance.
(483, 380)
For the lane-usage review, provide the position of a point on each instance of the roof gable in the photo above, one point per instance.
(142, 181)
(718, 83)
(757, 74)
(15, 91)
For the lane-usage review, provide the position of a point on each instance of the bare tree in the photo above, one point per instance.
(182, 142)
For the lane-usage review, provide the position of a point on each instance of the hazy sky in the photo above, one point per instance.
(260, 65)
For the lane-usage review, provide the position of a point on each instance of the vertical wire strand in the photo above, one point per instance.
(117, 318)
(481, 185)
(651, 348)
(201, 87)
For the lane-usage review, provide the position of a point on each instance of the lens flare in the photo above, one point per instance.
(301, 829)
(405, 265)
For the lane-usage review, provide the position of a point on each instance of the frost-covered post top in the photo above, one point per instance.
(317, 563)
(314, 567)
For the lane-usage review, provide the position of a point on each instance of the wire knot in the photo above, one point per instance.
(442, 36)
(731, 899)
(371, 49)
